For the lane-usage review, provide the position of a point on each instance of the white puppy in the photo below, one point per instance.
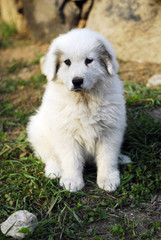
(82, 116)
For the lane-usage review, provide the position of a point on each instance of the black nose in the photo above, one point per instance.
(77, 82)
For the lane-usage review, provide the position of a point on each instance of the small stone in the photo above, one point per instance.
(17, 221)
(154, 81)
(156, 113)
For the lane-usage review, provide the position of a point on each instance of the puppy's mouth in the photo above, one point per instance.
(77, 89)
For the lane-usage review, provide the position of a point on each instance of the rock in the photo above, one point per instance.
(154, 81)
(133, 27)
(17, 221)
(156, 113)
(48, 18)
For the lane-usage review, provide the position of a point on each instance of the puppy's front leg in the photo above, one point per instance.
(108, 176)
(72, 167)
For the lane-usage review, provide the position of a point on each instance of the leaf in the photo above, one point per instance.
(24, 230)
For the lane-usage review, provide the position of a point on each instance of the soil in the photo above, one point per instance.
(25, 50)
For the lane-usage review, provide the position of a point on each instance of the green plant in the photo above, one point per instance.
(6, 31)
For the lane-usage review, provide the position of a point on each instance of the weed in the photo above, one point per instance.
(6, 31)
(37, 81)
(16, 66)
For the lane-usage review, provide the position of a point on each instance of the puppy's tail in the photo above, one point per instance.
(123, 159)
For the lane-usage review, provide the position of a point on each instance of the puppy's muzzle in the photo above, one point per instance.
(77, 84)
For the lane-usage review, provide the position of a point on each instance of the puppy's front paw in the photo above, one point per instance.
(109, 182)
(72, 184)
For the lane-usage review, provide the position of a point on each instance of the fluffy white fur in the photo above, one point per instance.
(82, 123)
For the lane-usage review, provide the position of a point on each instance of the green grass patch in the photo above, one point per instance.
(6, 31)
(11, 85)
(17, 66)
(91, 213)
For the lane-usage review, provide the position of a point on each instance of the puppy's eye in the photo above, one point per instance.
(88, 61)
(67, 62)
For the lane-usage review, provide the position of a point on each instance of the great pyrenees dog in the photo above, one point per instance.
(82, 116)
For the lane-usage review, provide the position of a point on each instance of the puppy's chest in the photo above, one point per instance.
(86, 123)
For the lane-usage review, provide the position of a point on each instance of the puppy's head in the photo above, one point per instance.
(80, 59)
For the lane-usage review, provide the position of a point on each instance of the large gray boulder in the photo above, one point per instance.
(133, 27)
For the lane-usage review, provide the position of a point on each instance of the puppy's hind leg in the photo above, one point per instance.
(52, 169)
(43, 150)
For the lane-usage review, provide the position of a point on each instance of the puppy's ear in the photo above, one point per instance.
(50, 63)
(107, 58)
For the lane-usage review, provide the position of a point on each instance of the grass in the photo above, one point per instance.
(91, 213)
(6, 32)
